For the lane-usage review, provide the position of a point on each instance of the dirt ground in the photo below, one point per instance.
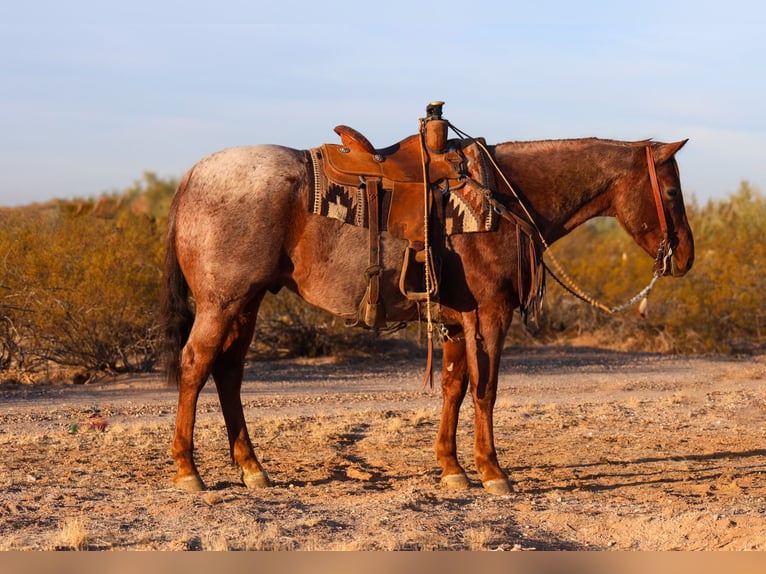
(607, 451)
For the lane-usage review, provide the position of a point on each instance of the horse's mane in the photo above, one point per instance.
(558, 144)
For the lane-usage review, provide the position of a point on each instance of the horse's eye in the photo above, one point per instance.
(672, 193)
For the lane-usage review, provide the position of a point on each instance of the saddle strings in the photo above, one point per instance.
(567, 282)
(428, 378)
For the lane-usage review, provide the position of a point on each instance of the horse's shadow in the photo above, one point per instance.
(595, 481)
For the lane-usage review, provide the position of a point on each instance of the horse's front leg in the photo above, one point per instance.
(454, 386)
(484, 335)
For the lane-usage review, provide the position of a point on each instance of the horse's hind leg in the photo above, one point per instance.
(228, 371)
(204, 344)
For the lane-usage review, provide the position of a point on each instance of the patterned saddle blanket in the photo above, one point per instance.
(462, 174)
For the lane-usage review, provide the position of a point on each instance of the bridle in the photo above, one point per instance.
(665, 250)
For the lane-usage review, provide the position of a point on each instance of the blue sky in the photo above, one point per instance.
(94, 93)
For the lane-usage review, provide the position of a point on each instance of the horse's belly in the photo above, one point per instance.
(329, 265)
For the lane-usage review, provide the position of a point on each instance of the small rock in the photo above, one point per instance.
(211, 498)
(358, 474)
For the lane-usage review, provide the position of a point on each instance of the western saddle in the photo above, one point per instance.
(410, 173)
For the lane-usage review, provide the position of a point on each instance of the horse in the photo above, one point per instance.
(238, 227)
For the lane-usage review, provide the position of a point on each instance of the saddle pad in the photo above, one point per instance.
(346, 203)
(465, 210)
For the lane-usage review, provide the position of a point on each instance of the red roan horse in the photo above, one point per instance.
(239, 226)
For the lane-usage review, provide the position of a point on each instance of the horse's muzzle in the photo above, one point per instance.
(672, 261)
(677, 270)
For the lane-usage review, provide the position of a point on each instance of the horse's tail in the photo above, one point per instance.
(177, 307)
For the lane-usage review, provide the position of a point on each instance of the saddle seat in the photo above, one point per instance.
(401, 162)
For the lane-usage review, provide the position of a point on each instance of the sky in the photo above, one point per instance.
(95, 93)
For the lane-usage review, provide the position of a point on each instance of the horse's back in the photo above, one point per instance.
(241, 186)
(245, 174)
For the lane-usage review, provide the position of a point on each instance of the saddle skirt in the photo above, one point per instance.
(340, 172)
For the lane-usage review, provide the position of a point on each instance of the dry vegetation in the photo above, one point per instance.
(607, 450)
(79, 286)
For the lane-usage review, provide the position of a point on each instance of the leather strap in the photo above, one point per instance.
(373, 211)
(656, 191)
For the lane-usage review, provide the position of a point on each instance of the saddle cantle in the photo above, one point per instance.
(354, 140)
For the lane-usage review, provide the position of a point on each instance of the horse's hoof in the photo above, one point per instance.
(255, 479)
(455, 482)
(190, 483)
(498, 486)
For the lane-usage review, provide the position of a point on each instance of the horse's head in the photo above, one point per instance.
(650, 207)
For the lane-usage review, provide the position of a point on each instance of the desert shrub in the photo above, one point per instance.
(16, 230)
(12, 356)
(80, 284)
(8, 343)
(93, 292)
(719, 307)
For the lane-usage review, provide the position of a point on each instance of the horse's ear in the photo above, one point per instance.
(663, 152)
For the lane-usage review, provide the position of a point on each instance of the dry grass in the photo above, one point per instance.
(478, 538)
(73, 534)
(597, 460)
(260, 537)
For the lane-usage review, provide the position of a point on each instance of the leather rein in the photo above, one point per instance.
(661, 261)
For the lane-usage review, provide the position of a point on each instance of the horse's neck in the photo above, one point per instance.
(563, 182)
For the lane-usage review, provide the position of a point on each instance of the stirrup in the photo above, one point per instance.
(418, 256)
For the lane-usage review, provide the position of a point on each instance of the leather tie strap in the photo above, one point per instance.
(374, 270)
(656, 191)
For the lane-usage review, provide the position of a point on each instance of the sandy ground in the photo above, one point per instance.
(607, 451)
